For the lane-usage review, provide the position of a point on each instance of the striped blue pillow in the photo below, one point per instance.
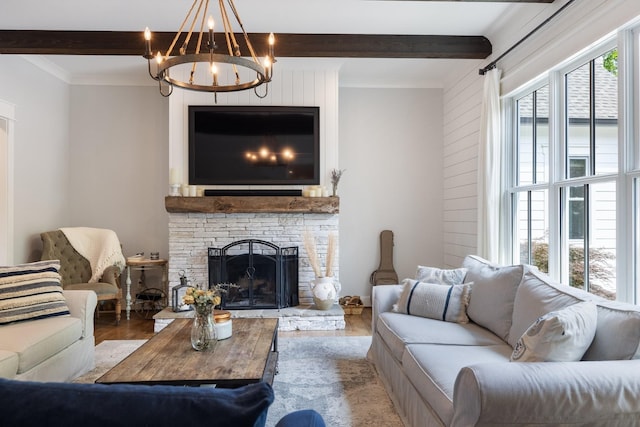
(435, 301)
(31, 291)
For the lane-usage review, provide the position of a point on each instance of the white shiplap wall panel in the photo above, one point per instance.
(464, 115)
(463, 151)
(464, 215)
(452, 203)
(464, 129)
(458, 193)
(461, 126)
(460, 180)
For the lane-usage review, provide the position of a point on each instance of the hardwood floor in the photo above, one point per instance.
(140, 328)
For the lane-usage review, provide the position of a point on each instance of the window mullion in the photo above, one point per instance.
(592, 117)
(534, 138)
(587, 238)
(556, 153)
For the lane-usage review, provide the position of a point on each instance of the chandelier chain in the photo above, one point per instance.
(244, 33)
(179, 33)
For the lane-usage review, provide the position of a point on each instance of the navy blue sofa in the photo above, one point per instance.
(41, 404)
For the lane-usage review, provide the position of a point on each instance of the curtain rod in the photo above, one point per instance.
(493, 63)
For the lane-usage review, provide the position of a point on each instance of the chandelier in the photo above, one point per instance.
(223, 70)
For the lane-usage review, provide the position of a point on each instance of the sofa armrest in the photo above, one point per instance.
(100, 405)
(599, 393)
(382, 299)
(82, 304)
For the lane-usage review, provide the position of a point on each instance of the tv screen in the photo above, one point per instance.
(254, 145)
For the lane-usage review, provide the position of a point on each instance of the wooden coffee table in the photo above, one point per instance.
(250, 355)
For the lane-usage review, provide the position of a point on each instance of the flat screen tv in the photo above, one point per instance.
(254, 145)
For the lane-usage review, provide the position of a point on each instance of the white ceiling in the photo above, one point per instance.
(278, 16)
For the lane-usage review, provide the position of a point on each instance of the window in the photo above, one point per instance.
(592, 116)
(577, 168)
(564, 213)
(530, 200)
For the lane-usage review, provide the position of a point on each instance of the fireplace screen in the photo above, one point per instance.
(257, 274)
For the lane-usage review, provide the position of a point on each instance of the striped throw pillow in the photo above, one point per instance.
(435, 301)
(31, 291)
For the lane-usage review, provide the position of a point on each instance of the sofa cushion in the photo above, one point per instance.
(8, 364)
(617, 333)
(433, 368)
(31, 291)
(398, 330)
(435, 301)
(38, 340)
(495, 287)
(438, 275)
(538, 295)
(99, 405)
(559, 336)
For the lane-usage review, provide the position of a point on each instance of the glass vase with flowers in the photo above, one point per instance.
(203, 333)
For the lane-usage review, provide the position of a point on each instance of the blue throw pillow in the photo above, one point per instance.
(35, 404)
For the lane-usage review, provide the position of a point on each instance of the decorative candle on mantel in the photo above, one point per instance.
(174, 182)
(173, 176)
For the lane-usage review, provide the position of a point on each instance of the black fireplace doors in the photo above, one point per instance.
(255, 274)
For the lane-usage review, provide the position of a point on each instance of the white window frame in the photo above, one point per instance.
(627, 179)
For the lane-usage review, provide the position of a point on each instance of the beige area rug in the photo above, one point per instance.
(328, 374)
(108, 355)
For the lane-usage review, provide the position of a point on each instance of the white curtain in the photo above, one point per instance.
(489, 170)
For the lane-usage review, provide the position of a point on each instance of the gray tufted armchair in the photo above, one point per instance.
(75, 270)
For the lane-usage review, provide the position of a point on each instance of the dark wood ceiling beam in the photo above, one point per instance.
(487, 1)
(37, 42)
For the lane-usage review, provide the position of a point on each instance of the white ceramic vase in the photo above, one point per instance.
(324, 291)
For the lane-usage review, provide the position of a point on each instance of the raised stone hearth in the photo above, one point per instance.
(301, 318)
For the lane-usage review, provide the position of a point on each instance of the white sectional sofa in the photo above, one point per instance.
(46, 333)
(452, 373)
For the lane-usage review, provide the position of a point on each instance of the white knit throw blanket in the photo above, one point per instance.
(98, 245)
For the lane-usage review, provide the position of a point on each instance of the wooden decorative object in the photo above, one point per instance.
(253, 204)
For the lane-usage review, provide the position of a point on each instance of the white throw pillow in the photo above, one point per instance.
(494, 289)
(435, 301)
(558, 336)
(438, 275)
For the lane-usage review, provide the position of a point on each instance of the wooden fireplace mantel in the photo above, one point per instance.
(252, 204)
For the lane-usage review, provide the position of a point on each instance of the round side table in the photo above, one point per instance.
(140, 264)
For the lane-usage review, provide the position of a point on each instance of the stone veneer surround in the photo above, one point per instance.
(191, 234)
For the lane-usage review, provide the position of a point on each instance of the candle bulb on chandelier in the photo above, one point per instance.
(214, 73)
(272, 40)
(212, 43)
(147, 42)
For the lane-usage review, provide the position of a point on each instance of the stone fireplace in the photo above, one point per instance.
(199, 223)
